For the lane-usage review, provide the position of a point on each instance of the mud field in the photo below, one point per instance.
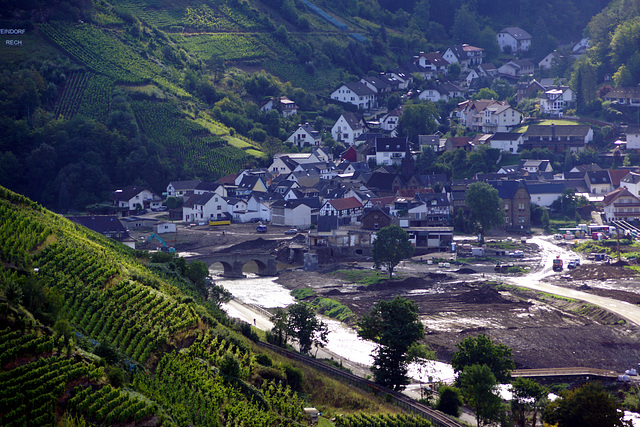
(469, 299)
(543, 332)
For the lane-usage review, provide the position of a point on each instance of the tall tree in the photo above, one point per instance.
(418, 119)
(586, 406)
(391, 246)
(394, 325)
(305, 327)
(466, 28)
(482, 351)
(479, 388)
(486, 207)
(528, 397)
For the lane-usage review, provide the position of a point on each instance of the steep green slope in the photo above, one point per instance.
(89, 333)
(66, 275)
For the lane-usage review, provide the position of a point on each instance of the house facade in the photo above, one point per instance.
(347, 128)
(633, 137)
(305, 135)
(624, 96)
(514, 39)
(506, 141)
(204, 207)
(558, 139)
(181, 188)
(291, 213)
(620, 204)
(357, 94)
(391, 151)
(500, 118)
(466, 55)
(132, 198)
(516, 202)
(347, 210)
(556, 101)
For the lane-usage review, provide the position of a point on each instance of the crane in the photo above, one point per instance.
(165, 247)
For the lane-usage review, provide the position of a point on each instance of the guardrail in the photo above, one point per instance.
(564, 372)
(437, 418)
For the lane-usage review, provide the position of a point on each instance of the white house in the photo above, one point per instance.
(624, 95)
(357, 94)
(632, 183)
(389, 122)
(390, 151)
(165, 227)
(506, 141)
(348, 207)
(550, 60)
(442, 92)
(286, 106)
(347, 128)
(514, 39)
(203, 207)
(633, 137)
(291, 213)
(466, 55)
(556, 100)
(500, 118)
(517, 68)
(211, 187)
(132, 198)
(431, 64)
(620, 204)
(305, 135)
(535, 166)
(181, 188)
(545, 193)
(598, 181)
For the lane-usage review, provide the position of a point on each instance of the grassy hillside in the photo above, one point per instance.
(88, 331)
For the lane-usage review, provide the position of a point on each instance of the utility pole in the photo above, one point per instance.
(618, 238)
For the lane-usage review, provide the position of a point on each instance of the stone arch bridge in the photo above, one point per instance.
(234, 262)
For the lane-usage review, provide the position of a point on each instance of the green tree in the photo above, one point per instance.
(305, 327)
(465, 25)
(482, 351)
(420, 355)
(478, 386)
(418, 119)
(485, 207)
(485, 93)
(586, 406)
(528, 398)
(393, 325)
(391, 246)
(449, 400)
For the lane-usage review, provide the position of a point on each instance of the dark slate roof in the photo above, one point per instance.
(127, 192)
(507, 189)
(360, 89)
(505, 136)
(545, 187)
(185, 185)
(379, 180)
(517, 33)
(208, 186)
(199, 199)
(100, 223)
(557, 130)
(398, 144)
(633, 129)
(598, 177)
(248, 182)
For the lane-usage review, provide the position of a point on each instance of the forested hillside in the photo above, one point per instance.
(100, 94)
(94, 332)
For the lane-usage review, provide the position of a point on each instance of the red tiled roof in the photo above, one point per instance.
(348, 203)
(616, 175)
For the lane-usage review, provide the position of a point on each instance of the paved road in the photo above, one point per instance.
(549, 251)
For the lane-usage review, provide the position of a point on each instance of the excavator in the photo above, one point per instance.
(165, 247)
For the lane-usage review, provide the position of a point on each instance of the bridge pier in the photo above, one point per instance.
(234, 263)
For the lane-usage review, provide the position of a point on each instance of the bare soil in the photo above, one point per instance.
(544, 332)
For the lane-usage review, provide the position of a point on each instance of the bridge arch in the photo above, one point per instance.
(233, 264)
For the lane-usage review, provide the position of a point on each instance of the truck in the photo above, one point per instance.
(557, 264)
(261, 228)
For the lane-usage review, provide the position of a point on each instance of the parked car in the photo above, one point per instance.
(572, 264)
(291, 231)
(516, 254)
(261, 228)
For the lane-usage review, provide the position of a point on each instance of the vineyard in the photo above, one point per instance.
(69, 102)
(105, 54)
(364, 420)
(207, 155)
(97, 97)
(230, 47)
(31, 388)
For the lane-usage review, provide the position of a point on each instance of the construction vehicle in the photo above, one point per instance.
(164, 247)
(557, 264)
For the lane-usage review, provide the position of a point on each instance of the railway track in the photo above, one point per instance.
(437, 418)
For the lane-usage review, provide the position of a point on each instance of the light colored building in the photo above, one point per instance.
(620, 204)
(347, 128)
(305, 135)
(506, 141)
(514, 39)
(357, 94)
(556, 101)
